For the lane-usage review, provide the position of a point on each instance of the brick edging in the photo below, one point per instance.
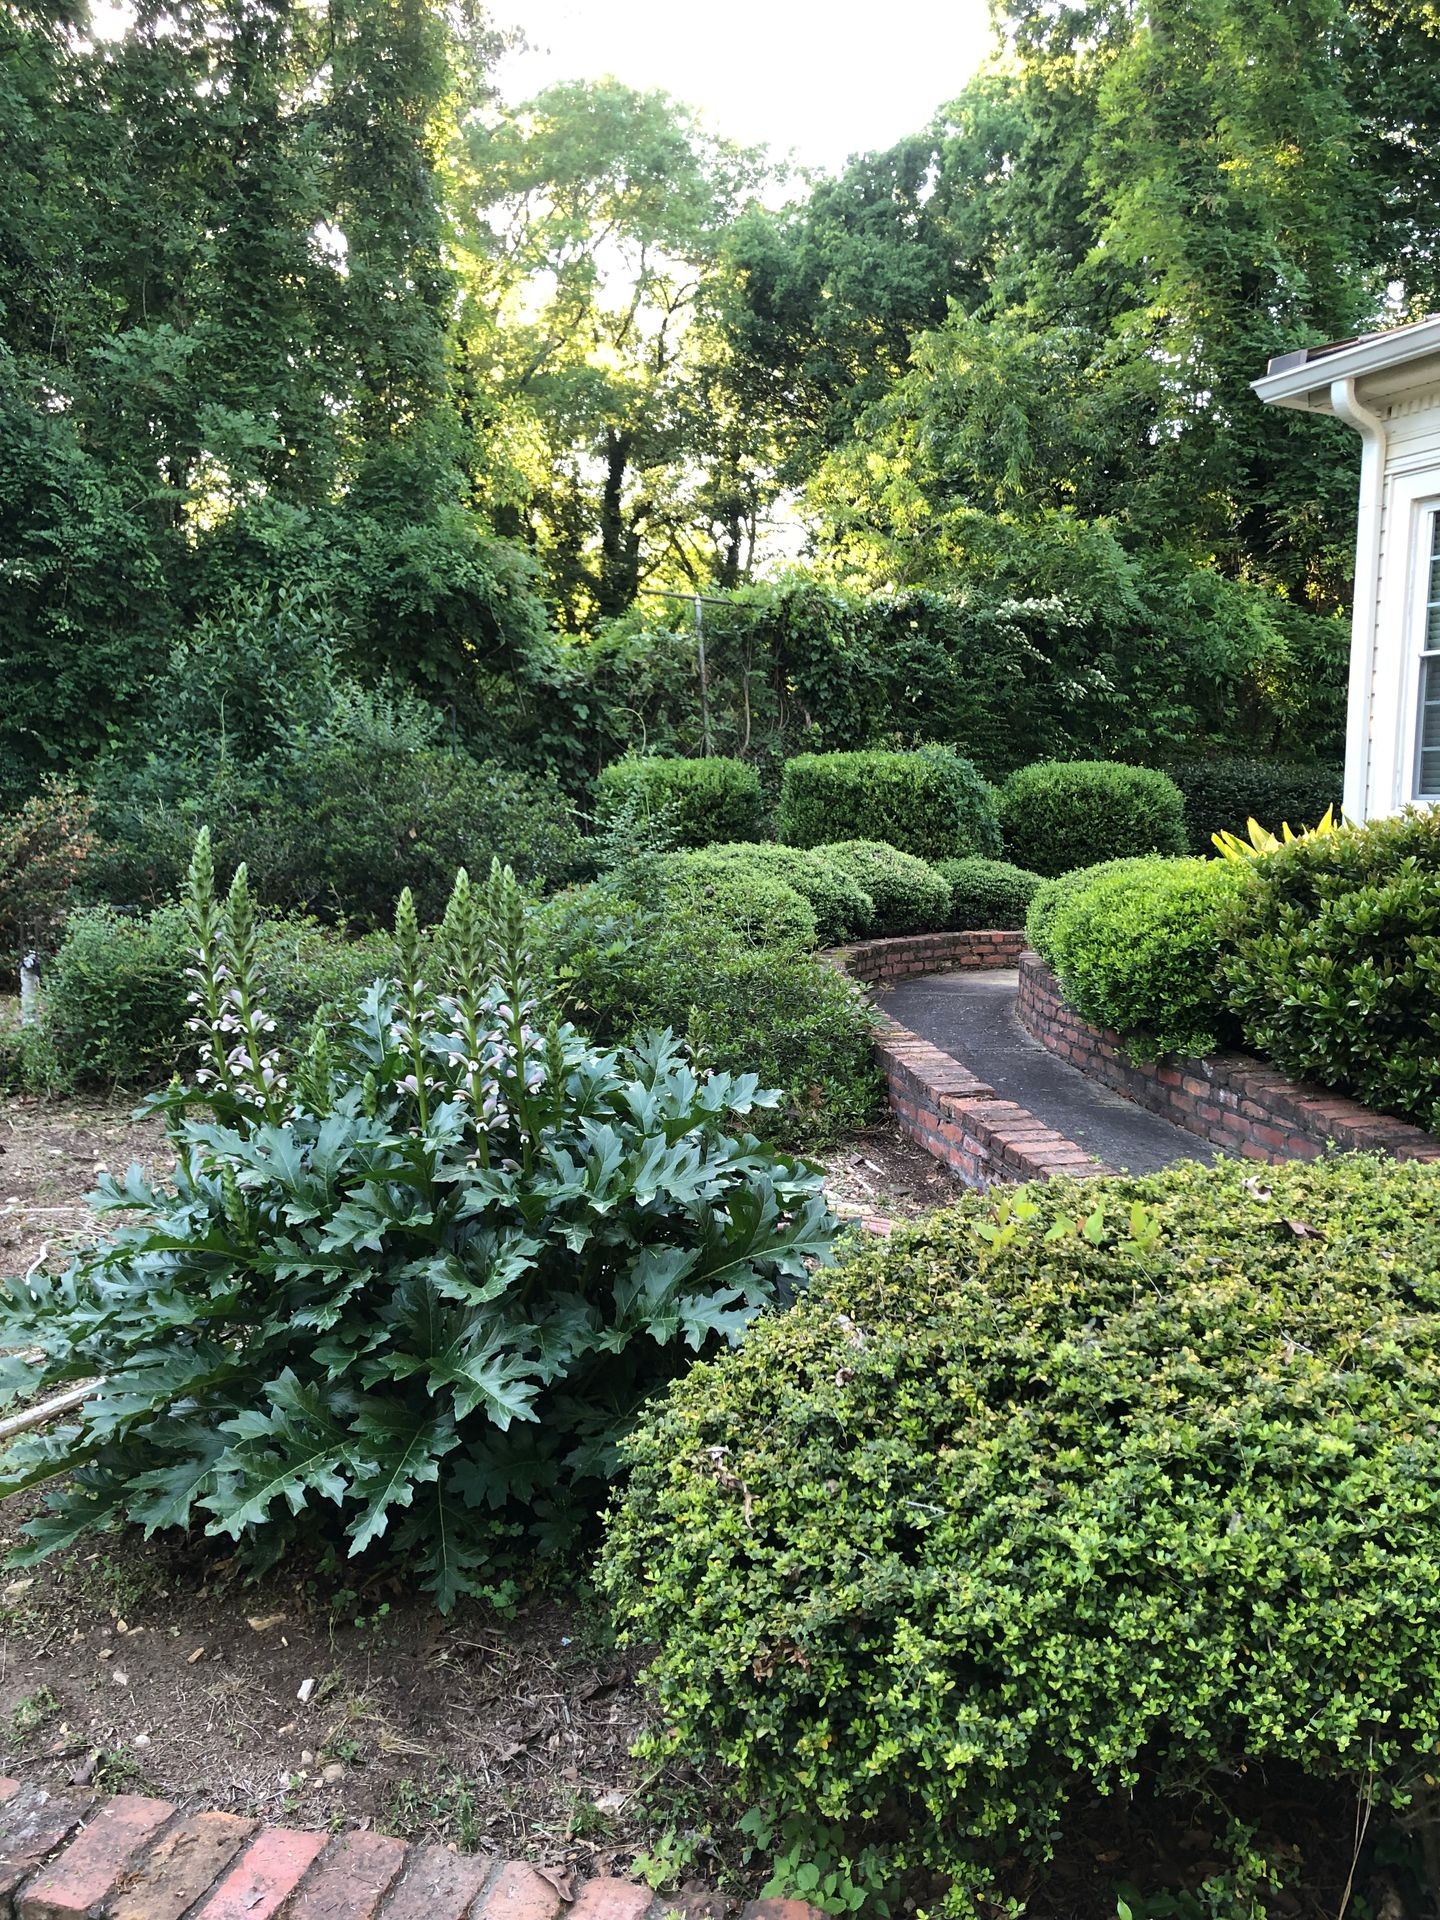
(938, 1102)
(74, 1855)
(1233, 1100)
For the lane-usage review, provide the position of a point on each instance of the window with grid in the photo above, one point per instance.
(1427, 755)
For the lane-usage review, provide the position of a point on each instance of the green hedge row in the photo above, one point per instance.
(1323, 956)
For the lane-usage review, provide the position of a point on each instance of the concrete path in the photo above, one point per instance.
(971, 1016)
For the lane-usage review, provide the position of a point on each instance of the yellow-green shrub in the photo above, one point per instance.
(980, 1529)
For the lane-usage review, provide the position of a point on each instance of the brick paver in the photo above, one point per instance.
(439, 1885)
(182, 1865)
(92, 1866)
(611, 1899)
(519, 1893)
(71, 1856)
(350, 1879)
(265, 1876)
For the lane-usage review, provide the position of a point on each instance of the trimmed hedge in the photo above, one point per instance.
(1223, 791)
(1051, 896)
(841, 905)
(980, 1530)
(909, 895)
(931, 803)
(1062, 814)
(1137, 949)
(756, 906)
(1335, 974)
(987, 893)
(708, 799)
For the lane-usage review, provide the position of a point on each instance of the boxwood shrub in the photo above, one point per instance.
(1051, 895)
(909, 895)
(1222, 791)
(623, 967)
(1336, 962)
(758, 906)
(931, 803)
(982, 1528)
(1138, 949)
(841, 905)
(715, 798)
(1061, 814)
(987, 893)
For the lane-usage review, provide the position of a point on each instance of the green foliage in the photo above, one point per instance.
(712, 799)
(115, 995)
(1336, 959)
(1059, 815)
(1052, 895)
(333, 828)
(624, 967)
(910, 896)
(987, 893)
(843, 910)
(115, 999)
(930, 803)
(1024, 642)
(411, 1286)
(1224, 791)
(985, 1527)
(763, 909)
(1137, 949)
(43, 848)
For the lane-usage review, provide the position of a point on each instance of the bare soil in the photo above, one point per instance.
(881, 1173)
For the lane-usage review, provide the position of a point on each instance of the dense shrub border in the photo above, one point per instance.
(1119, 1485)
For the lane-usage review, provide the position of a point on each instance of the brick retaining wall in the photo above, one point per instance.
(937, 1101)
(1232, 1099)
(875, 962)
(79, 1856)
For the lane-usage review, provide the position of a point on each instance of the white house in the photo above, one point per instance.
(1386, 386)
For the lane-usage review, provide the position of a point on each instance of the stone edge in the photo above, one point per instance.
(74, 1854)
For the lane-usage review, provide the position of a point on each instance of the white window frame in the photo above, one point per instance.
(1426, 601)
(1391, 715)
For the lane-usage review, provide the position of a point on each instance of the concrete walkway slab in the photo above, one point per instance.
(971, 1016)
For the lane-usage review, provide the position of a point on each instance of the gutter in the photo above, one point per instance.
(1300, 380)
(1346, 405)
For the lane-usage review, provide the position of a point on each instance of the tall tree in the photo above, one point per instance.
(598, 213)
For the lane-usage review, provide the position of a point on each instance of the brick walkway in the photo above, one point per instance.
(79, 1856)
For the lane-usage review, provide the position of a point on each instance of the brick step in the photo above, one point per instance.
(83, 1856)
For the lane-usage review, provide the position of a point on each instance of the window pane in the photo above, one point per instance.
(1427, 780)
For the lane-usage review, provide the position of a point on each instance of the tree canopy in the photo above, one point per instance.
(291, 298)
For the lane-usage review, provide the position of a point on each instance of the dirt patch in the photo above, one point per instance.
(50, 1155)
(883, 1172)
(154, 1669)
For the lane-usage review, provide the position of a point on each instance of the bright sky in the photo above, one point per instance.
(820, 78)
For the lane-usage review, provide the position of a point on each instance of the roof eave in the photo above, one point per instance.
(1307, 386)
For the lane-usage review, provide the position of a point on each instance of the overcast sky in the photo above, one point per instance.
(824, 78)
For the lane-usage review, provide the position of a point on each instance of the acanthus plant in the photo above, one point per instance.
(414, 1285)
